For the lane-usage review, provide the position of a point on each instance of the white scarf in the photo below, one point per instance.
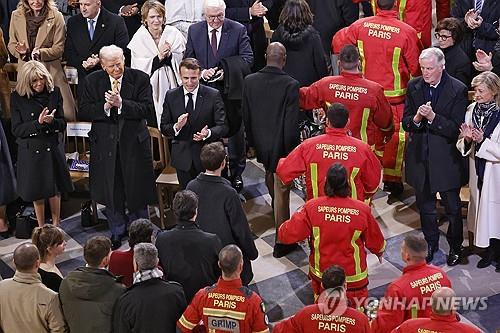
(144, 50)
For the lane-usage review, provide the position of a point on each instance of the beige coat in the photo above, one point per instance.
(26, 305)
(50, 40)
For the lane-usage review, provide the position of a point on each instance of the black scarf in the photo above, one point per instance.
(33, 23)
(485, 116)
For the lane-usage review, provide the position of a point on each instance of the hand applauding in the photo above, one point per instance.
(46, 117)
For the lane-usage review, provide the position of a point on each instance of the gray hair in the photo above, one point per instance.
(110, 51)
(433, 52)
(146, 256)
(214, 3)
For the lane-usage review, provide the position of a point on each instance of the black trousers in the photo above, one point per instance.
(426, 203)
(185, 177)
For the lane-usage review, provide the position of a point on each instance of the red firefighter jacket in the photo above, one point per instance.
(389, 51)
(441, 324)
(409, 296)
(418, 14)
(314, 319)
(339, 230)
(315, 156)
(225, 306)
(370, 115)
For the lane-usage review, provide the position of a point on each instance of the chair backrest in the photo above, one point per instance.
(157, 149)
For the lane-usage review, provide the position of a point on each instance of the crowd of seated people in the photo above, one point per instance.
(155, 63)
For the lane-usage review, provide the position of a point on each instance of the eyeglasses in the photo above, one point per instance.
(212, 18)
(441, 37)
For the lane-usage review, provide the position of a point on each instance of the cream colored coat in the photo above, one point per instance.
(484, 208)
(50, 40)
(26, 305)
(144, 50)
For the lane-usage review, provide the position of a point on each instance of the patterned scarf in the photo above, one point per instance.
(485, 116)
(148, 274)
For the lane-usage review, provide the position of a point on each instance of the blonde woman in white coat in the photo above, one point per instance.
(157, 49)
(480, 140)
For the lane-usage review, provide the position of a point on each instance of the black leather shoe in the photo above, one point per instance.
(430, 252)
(497, 269)
(395, 188)
(116, 242)
(237, 183)
(281, 250)
(486, 260)
(454, 258)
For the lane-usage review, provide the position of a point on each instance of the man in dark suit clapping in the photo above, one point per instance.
(213, 42)
(192, 115)
(118, 101)
(434, 110)
(87, 33)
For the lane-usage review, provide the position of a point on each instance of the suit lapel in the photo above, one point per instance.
(100, 26)
(44, 29)
(223, 41)
(445, 96)
(419, 94)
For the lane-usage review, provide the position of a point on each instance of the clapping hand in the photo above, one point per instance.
(483, 62)
(35, 54)
(258, 9)
(466, 132)
(473, 19)
(91, 62)
(425, 111)
(21, 47)
(113, 99)
(129, 10)
(165, 50)
(477, 135)
(46, 117)
(181, 121)
(201, 135)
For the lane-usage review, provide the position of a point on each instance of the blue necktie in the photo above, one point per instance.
(91, 29)
(478, 6)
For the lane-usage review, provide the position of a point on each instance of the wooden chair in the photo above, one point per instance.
(77, 141)
(167, 183)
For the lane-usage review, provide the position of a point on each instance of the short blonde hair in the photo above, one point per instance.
(152, 4)
(491, 81)
(25, 5)
(29, 72)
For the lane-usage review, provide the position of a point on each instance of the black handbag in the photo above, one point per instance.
(25, 223)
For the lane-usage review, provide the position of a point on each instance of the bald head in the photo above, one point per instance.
(26, 258)
(276, 55)
(442, 301)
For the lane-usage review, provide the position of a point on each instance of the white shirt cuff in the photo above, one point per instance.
(209, 133)
(175, 130)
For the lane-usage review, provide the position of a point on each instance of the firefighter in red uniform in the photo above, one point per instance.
(339, 228)
(331, 314)
(418, 14)
(389, 50)
(315, 155)
(443, 318)
(370, 115)
(409, 296)
(227, 306)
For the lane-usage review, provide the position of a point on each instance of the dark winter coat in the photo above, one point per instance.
(120, 143)
(458, 64)
(153, 305)
(220, 212)
(189, 256)
(431, 149)
(42, 171)
(7, 176)
(271, 110)
(305, 57)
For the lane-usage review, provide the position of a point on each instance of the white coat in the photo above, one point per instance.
(144, 50)
(484, 207)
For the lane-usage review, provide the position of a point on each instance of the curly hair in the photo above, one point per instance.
(454, 26)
